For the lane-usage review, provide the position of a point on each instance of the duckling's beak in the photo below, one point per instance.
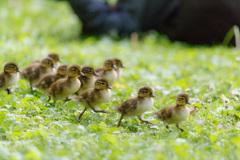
(123, 66)
(95, 74)
(114, 66)
(109, 87)
(18, 70)
(54, 66)
(152, 95)
(80, 73)
(60, 60)
(188, 102)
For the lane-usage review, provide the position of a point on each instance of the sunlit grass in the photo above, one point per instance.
(31, 129)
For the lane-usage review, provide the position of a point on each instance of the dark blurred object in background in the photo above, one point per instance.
(192, 21)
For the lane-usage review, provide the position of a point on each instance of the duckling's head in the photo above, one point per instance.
(118, 63)
(11, 67)
(55, 57)
(145, 92)
(182, 99)
(48, 63)
(74, 71)
(62, 70)
(109, 64)
(89, 71)
(102, 84)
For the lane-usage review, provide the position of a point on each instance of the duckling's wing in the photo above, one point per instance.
(31, 72)
(47, 80)
(127, 106)
(85, 96)
(2, 80)
(57, 87)
(164, 113)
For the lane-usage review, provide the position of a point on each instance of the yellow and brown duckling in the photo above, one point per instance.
(136, 106)
(88, 79)
(119, 65)
(54, 56)
(48, 79)
(9, 76)
(175, 113)
(108, 71)
(35, 71)
(63, 88)
(93, 97)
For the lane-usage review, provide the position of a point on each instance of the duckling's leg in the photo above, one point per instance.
(49, 98)
(80, 115)
(95, 110)
(54, 102)
(168, 128)
(8, 91)
(119, 122)
(30, 81)
(145, 121)
(102, 111)
(179, 127)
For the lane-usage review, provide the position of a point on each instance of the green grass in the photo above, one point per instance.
(31, 129)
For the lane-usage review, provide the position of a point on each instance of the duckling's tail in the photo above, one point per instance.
(157, 115)
(77, 98)
(116, 108)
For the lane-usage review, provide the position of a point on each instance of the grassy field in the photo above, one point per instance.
(31, 129)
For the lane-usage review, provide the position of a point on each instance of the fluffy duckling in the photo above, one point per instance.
(119, 65)
(175, 113)
(108, 71)
(35, 71)
(63, 88)
(54, 56)
(93, 97)
(48, 79)
(88, 79)
(136, 106)
(9, 76)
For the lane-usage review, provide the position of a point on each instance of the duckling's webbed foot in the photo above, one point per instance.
(179, 128)
(67, 99)
(9, 91)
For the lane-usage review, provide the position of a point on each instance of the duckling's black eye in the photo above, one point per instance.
(13, 67)
(74, 70)
(102, 83)
(108, 63)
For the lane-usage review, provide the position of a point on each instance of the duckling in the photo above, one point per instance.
(119, 65)
(136, 106)
(108, 71)
(93, 97)
(175, 113)
(35, 71)
(48, 79)
(64, 87)
(9, 77)
(88, 80)
(54, 56)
